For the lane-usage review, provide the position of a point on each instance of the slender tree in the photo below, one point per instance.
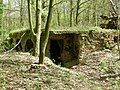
(46, 34)
(38, 26)
(117, 3)
(58, 17)
(65, 15)
(77, 11)
(1, 13)
(71, 12)
(1, 19)
(21, 14)
(30, 16)
(94, 12)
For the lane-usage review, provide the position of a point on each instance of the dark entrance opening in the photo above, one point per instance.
(55, 51)
(18, 47)
(29, 45)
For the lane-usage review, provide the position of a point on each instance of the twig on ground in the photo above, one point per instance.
(110, 76)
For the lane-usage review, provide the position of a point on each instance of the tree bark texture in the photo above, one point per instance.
(21, 14)
(77, 11)
(71, 14)
(30, 17)
(58, 17)
(46, 34)
(38, 27)
(1, 13)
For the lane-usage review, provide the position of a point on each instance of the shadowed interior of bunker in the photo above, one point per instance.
(18, 47)
(56, 48)
(29, 45)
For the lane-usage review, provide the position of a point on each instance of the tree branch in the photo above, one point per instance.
(109, 76)
(114, 7)
(58, 3)
(84, 2)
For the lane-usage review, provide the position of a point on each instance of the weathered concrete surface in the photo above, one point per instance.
(96, 41)
(74, 45)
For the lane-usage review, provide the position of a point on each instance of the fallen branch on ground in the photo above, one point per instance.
(15, 45)
(110, 76)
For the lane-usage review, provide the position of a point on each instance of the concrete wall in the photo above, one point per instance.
(90, 41)
(75, 46)
(69, 49)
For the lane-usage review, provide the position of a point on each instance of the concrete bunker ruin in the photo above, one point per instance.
(62, 48)
(68, 47)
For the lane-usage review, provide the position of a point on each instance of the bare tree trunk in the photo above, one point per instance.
(88, 15)
(71, 14)
(58, 17)
(77, 11)
(1, 13)
(1, 19)
(21, 14)
(30, 17)
(43, 17)
(94, 12)
(65, 16)
(46, 35)
(78, 8)
(118, 26)
(38, 27)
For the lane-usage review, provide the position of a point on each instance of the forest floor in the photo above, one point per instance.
(99, 71)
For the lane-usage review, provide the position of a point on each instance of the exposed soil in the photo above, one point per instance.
(98, 71)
